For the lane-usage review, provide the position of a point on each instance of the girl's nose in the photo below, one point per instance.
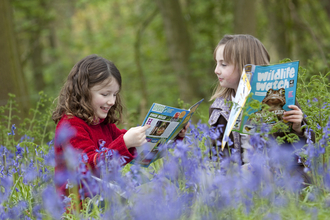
(111, 101)
(217, 70)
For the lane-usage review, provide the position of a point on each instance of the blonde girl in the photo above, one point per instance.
(231, 54)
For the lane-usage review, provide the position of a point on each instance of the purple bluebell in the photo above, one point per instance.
(19, 150)
(30, 175)
(12, 130)
(214, 133)
(52, 203)
(272, 216)
(265, 129)
(228, 140)
(257, 141)
(65, 133)
(36, 212)
(6, 183)
(14, 213)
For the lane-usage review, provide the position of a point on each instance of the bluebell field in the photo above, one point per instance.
(185, 184)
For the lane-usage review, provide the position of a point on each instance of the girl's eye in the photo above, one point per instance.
(223, 64)
(104, 94)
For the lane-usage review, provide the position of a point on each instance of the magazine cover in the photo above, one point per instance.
(273, 85)
(165, 123)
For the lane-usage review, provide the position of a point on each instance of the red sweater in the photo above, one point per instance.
(89, 139)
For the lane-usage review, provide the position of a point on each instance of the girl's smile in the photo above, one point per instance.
(105, 109)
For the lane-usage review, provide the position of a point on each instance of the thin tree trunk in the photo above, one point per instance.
(12, 79)
(245, 17)
(178, 42)
(280, 26)
(137, 56)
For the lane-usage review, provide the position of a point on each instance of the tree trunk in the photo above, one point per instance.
(12, 79)
(37, 61)
(245, 17)
(137, 56)
(326, 5)
(178, 42)
(280, 26)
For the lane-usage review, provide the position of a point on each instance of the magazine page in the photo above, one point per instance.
(234, 120)
(275, 86)
(165, 123)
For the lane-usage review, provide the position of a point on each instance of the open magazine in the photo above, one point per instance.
(165, 123)
(272, 85)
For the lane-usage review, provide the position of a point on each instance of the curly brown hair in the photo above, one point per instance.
(75, 96)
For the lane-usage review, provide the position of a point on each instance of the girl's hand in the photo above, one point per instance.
(183, 131)
(295, 116)
(136, 136)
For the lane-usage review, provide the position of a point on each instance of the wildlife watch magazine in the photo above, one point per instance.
(165, 123)
(273, 85)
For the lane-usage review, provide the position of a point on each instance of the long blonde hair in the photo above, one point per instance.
(239, 50)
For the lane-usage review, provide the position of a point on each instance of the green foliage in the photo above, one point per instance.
(33, 131)
(7, 115)
(314, 97)
(39, 126)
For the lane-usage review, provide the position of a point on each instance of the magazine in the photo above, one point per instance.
(243, 90)
(272, 85)
(165, 123)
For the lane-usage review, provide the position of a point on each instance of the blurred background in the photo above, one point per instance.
(163, 48)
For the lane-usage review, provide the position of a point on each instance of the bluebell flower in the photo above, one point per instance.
(50, 157)
(26, 138)
(30, 175)
(51, 142)
(257, 141)
(65, 133)
(272, 216)
(14, 213)
(228, 140)
(6, 183)
(326, 180)
(214, 133)
(265, 128)
(220, 126)
(52, 203)
(36, 212)
(12, 130)
(308, 103)
(325, 105)
(19, 150)
(327, 202)
(71, 157)
(280, 201)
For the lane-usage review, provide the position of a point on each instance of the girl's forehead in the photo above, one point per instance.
(110, 83)
(219, 52)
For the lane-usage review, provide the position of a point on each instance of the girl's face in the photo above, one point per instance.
(104, 97)
(227, 74)
(160, 130)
